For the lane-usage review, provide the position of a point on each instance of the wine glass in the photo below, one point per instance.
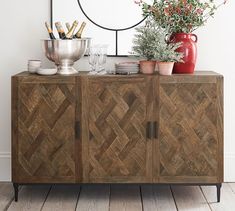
(93, 57)
(102, 59)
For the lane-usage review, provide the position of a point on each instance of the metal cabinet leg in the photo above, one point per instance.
(218, 186)
(16, 188)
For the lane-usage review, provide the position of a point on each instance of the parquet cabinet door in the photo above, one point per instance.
(44, 150)
(190, 133)
(117, 149)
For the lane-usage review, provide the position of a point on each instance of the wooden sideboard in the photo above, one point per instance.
(117, 129)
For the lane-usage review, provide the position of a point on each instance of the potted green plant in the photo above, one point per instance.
(150, 43)
(182, 18)
(144, 43)
(167, 55)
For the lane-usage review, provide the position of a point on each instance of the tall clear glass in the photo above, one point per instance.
(102, 57)
(93, 57)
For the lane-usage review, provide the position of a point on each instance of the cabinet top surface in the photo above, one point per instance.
(85, 74)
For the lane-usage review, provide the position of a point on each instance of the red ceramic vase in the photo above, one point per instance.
(189, 49)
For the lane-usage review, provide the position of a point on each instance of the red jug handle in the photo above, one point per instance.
(167, 38)
(195, 36)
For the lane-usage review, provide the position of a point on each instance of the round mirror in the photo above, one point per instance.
(113, 15)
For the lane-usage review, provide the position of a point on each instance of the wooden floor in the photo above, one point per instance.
(117, 198)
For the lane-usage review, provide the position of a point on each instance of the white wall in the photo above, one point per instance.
(22, 27)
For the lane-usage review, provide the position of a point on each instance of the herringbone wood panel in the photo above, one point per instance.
(46, 132)
(188, 136)
(111, 115)
(117, 125)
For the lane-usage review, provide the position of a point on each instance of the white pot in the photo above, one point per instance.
(165, 68)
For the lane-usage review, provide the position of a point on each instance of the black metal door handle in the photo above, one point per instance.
(155, 130)
(149, 130)
(152, 130)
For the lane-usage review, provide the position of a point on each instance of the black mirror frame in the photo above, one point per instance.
(105, 28)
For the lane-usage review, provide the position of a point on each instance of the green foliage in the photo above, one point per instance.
(145, 40)
(167, 52)
(180, 15)
(149, 42)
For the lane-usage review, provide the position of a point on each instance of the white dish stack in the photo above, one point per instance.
(34, 65)
(43, 71)
(127, 68)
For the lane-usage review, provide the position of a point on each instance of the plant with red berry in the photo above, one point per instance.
(180, 15)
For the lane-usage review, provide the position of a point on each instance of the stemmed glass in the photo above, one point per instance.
(93, 57)
(102, 52)
(97, 57)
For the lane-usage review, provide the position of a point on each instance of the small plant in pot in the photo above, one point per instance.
(167, 55)
(144, 44)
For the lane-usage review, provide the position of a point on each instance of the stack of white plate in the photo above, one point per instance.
(127, 68)
(34, 65)
(43, 71)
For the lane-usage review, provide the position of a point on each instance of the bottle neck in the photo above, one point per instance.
(60, 30)
(79, 33)
(70, 34)
(48, 28)
(50, 31)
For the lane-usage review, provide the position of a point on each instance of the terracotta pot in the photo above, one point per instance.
(147, 67)
(165, 68)
(156, 67)
(189, 49)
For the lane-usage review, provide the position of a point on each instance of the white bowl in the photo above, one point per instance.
(34, 63)
(42, 71)
(33, 69)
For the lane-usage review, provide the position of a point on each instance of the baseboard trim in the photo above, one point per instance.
(229, 170)
(5, 167)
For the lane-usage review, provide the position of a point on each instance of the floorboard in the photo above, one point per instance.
(94, 198)
(125, 198)
(227, 202)
(30, 198)
(62, 198)
(157, 197)
(189, 198)
(6, 195)
(117, 198)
